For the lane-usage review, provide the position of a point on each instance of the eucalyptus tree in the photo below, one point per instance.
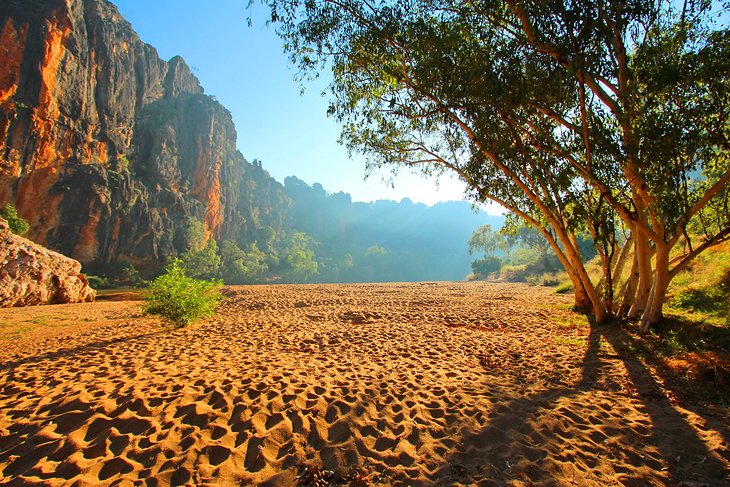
(599, 116)
(486, 241)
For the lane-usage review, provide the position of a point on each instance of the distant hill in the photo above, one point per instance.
(385, 240)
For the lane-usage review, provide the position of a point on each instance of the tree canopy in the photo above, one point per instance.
(607, 117)
(486, 241)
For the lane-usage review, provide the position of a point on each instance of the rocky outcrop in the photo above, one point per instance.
(110, 152)
(31, 274)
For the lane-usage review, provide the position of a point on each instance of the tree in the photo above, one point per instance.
(181, 299)
(605, 117)
(488, 265)
(191, 236)
(18, 225)
(486, 241)
(239, 266)
(530, 248)
(130, 276)
(202, 264)
(300, 260)
(266, 237)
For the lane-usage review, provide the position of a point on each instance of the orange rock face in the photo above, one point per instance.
(108, 151)
(207, 189)
(36, 201)
(12, 40)
(57, 33)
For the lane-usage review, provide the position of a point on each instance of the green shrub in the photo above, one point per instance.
(701, 292)
(18, 225)
(240, 266)
(564, 287)
(709, 299)
(202, 264)
(544, 279)
(181, 299)
(488, 265)
(130, 276)
(514, 273)
(99, 282)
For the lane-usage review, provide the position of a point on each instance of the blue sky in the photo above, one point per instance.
(246, 69)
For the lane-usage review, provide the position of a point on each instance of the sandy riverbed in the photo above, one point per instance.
(391, 384)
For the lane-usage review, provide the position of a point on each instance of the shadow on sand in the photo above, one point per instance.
(617, 410)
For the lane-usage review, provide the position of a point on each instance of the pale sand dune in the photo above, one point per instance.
(395, 384)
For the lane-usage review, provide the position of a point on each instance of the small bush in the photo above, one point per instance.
(488, 265)
(99, 282)
(545, 279)
(709, 299)
(18, 225)
(181, 299)
(514, 273)
(131, 277)
(564, 287)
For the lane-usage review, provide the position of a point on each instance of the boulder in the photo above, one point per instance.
(32, 275)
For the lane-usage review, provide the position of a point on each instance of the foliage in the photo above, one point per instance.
(528, 246)
(487, 241)
(18, 225)
(706, 299)
(181, 299)
(202, 264)
(607, 118)
(191, 236)
(564, 287)
(130, 276)
(331, 239)
(375, 250)
(702, 292)
(693, 356)
(266, 237)
(120, 165)
(239, 266)
(382, 240)
(488, 265)
(528, 254)
(99, 282)
(300, 259)
(544, 279)
(114, 275)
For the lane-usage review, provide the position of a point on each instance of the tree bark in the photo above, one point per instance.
(582, 301)
(629, 291)
(643, 290)
(653, 312)
(582, 298)
(596, 303)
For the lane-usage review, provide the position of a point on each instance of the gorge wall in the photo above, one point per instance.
(110, 152)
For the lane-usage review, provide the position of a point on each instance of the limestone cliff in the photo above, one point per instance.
(109, 151)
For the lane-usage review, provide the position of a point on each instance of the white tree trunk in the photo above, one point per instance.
(643, 290)
(629, 290)
(653, 312)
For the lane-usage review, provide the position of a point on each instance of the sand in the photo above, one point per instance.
(382, 384)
